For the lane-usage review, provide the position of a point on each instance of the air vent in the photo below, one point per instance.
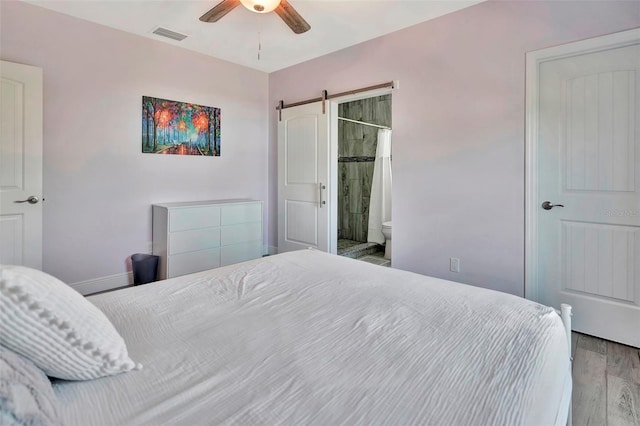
(169, 34)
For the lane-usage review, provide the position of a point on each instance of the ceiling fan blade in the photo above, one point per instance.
(221, 9)
(292, 18)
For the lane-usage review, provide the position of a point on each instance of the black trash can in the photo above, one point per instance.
(145, 268)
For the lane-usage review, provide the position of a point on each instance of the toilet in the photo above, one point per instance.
(386, 231)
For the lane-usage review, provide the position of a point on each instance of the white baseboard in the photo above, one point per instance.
(104, 283)
(269, 250)
(123, 280)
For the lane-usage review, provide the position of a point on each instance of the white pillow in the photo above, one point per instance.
(59, 330)
(26, 396)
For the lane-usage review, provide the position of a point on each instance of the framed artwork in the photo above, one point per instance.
(179, 128)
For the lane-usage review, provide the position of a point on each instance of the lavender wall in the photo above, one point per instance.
(458, 123)
(98, 185)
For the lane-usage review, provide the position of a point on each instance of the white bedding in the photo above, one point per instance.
(311, 338)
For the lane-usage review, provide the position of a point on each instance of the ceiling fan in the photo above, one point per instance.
(281, 7)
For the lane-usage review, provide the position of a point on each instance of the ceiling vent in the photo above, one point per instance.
(169, 34)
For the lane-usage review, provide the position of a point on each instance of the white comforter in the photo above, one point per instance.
(312, 338)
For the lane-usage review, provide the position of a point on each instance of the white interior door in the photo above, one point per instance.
(588, 161)
(20, 165)
(303, 178)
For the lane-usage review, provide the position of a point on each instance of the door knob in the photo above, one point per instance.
(31, 200)
(548, 206)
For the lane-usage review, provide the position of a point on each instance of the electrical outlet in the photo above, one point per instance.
(454, 264)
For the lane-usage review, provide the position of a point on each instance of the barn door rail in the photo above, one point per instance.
(325, 96)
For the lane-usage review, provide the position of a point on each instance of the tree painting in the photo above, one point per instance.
(171, 127)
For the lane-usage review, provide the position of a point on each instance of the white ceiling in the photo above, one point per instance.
(335, 24)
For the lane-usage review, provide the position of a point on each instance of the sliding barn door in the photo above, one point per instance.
(303, 178)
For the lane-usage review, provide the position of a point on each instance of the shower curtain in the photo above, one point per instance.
(380, 201)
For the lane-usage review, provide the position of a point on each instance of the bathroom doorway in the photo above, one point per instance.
(361, 124)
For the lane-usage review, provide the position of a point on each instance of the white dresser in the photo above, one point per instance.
(195, 236)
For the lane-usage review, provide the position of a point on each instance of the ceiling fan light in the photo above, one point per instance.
(260, 6)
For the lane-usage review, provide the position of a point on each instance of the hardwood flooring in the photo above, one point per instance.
(606, 382)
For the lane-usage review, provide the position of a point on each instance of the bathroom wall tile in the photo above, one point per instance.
(365, 210)
(341, 146)
(354, 109)
(360, 229)
(341, 191)
(345, 212)
(368, 106)
(356, 131)
(364, 205)
(343, 202)
(353, 171)
(356, 140)
(353, 142)
(355, 147)
(355, 197)
(370, 142)
(382, 111)
(350, 132)
(366, 178)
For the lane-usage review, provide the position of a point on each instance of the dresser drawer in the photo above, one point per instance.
(195, 236)
(241, 233)
(241, 213)
(187, 263)
(194, 218)
(240, 252)
(198, 239)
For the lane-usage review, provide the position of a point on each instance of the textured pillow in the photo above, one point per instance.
(26, 396)
(57, 328)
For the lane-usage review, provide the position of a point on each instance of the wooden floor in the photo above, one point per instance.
(606, 382)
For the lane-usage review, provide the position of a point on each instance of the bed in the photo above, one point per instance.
(312, 338)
